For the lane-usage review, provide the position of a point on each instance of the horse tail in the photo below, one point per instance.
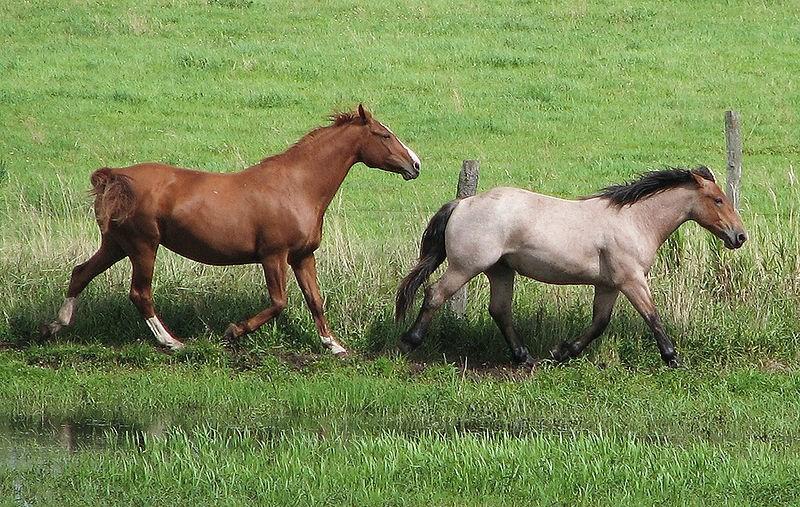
(431, 254)
(113, 197)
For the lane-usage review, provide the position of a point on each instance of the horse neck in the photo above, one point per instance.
(317, 166)
(658, 216)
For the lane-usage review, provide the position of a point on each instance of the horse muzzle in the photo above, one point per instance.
(734, 239)
(411, 172)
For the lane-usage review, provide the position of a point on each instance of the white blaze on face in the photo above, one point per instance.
(161, 334)
(411, 153)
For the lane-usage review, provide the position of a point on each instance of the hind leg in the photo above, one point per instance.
(275, 275)
(435, 296)
(604, 300)
(105, 257)
(501, 283)
(143, 262)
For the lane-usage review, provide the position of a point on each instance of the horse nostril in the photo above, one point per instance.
(742, 237)
(416, 165)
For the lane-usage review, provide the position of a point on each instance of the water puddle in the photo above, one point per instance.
(72, 436)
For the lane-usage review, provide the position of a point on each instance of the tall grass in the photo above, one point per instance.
(206, 467)
(722, 307)
(384, 433)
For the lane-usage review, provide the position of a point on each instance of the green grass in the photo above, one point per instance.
(381, 433)
(560, 97)
(467, 469)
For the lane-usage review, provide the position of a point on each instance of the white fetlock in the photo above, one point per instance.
(65, 316)
(67, 312)
(162, 335)
(334, 346)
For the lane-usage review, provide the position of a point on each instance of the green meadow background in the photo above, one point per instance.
(557, 97)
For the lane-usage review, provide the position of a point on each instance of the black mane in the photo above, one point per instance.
(651, 183)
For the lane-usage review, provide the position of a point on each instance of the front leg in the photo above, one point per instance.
(305, 270)
(638, 292)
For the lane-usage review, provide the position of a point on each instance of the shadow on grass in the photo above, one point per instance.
(110, 320)
(476, 337)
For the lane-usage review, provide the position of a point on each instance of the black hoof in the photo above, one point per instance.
(523, 359)
(528, 362)
(673, 362)
(45, 332)
(409, 342)
(562, 353)
(407, 347)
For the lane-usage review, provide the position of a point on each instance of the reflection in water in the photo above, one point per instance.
(43, 436)
(34, 443)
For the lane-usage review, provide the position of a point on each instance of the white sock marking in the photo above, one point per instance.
(332, 345)
(161, 334)
(67, 311)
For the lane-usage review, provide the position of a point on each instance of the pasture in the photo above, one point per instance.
(559, 97)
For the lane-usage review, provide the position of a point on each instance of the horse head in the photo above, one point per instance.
(714, 211)
(381, 149)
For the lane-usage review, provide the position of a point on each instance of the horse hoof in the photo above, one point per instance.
(232, 333)
(406, 347)
(558, 355)
(175, 345)
(673, 363)
(45, 331)
(409, 342)
(528, 363)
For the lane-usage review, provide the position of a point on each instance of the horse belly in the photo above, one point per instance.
(561, 268)
(209, 246)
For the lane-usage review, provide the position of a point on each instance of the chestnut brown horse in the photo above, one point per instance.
(270, 213)
(608, 240)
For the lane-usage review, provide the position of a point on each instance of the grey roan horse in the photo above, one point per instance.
(608, 240)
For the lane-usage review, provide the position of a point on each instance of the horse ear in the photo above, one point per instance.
(702, 173)
(363, 114)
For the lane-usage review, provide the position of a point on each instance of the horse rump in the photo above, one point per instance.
(431, 254)
(113, 197)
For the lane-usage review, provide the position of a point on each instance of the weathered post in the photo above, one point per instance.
(733, 140)
(467, 186)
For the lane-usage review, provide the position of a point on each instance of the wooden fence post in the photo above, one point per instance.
(467, 186)
(733, 140)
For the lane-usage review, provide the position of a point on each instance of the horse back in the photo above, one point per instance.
(229, 218)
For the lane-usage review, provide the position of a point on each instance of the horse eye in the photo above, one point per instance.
(386, 136)
(718, 200)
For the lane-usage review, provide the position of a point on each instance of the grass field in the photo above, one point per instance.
(559, 97)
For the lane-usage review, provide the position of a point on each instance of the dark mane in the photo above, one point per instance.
(651, 183)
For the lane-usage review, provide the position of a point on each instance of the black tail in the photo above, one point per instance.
(431, 254)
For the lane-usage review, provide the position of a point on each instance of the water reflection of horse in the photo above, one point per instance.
(270, 213)
(608, 240)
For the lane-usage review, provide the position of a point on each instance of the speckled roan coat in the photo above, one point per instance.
(608, 241)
